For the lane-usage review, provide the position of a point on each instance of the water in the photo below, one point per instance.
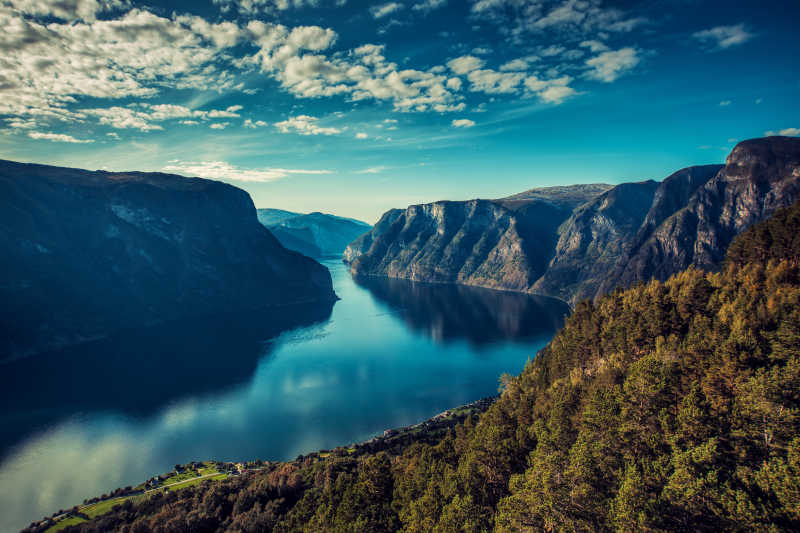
(390, 353)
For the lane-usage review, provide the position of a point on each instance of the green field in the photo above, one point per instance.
(181, 481)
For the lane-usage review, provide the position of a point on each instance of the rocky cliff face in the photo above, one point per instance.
(614, 237)
(597, 240)
(86, 253)
(500, 244)
(314, 234)
(760, 176)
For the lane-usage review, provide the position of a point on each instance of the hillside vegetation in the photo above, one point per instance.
(670, 406)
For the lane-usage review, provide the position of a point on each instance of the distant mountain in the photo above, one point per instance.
(583, 241)
(87, 253)
(315, 234)
(500, 244)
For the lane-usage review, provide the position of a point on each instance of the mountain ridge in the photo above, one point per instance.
(617, 236)
(313, 234)
(90, 252)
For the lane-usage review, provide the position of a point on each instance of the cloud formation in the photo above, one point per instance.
(58, 137)
(723, 37)
(305, 125)
(463, 123)
(787, 132)
(608, 66)
(575, 17)
(222, 170)
(384, 10)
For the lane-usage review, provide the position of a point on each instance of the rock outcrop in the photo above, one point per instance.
(87, 253)
(315, 234)
(499, 244)
(584, 241)
(596, 241)
(760, 176)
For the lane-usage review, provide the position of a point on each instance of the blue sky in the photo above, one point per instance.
(356, 107)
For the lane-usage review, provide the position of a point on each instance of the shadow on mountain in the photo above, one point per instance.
(136, 372)
(480, 316)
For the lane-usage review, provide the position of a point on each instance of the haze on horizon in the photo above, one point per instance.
(353, 108)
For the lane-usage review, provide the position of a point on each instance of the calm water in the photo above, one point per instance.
(390, 353)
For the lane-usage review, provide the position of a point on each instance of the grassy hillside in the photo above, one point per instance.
(667, 407)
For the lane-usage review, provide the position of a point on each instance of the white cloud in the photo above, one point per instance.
(64, 9)
(361, 135)
(575, 17)
(515, 64)
(608, 66)
(722, 37)
(594, 45)
(787, 132)
(386, 9)
(141, 116)
(555, 94)
(21, 124)
(454, 84)
(372, 170)
(219, 125)
(463, 123)
(465, 64)
(428, 5)
(250, 124)
(551, 91)
(305, 125)
(123, 118)
(46, 65)
(58, 137)
(253, 7)
(725, 103)
(493, 82)
(221, 170)
(363, 73)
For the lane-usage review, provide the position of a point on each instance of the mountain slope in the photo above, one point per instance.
(315, 234)
(671, 406)
(583, 241)
(598, 238)
(500, 244)
(760, 176)
(86, 253)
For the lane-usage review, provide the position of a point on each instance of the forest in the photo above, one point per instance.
(670, 406)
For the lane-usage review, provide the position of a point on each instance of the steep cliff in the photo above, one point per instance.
(86, 253)
(500, 244)
(584, 241)
(313, 234)
(760, 176)
(597, 239)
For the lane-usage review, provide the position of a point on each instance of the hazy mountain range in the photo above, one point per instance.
(315, 234)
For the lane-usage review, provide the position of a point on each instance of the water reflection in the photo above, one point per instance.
(138, 372)
(453, 312)
(88, 420)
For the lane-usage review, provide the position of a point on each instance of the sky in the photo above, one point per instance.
(353, 108)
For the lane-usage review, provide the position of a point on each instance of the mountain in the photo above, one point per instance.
(760, 176)
(315, 234)
(87, 253)
(499, 244)
(599, 236)
(584, 241)
(669, 406)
